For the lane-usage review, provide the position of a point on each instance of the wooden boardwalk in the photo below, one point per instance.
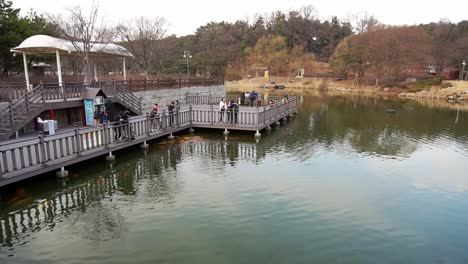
(24, 158)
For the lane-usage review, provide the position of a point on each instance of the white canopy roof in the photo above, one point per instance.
(47, 44)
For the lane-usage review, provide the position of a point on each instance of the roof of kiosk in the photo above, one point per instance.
(40, 44)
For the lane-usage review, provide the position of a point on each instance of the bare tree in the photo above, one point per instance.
(364, 22)
(84, 31)
(141, 37)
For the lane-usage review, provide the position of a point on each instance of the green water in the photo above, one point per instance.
(343, 182)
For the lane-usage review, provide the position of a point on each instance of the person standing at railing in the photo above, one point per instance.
(154, 116)
(233, 112)
(247, 98)
(171, 109)
(222, 109)
(259, 99)
(253, 97)
(242, 98)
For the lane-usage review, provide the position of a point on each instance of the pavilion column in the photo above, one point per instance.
(59, 70)
(95, 72)
(26, 73)
(124, 66)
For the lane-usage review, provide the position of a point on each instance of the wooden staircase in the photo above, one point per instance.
(119, 93)
(21, 111)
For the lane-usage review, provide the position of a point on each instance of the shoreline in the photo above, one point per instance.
(458, 93)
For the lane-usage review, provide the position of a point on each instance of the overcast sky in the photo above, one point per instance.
(186, 16)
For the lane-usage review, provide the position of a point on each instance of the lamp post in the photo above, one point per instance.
(463, 70)
(188, 56)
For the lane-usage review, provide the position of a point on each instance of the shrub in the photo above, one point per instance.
(306, 83)
(446, 85)
(232, 76)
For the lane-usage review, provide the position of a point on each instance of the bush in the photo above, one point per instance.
(425, 84)
(446, 85)
(232, 76)
(306, 83)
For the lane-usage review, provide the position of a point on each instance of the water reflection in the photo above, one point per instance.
(87, 202)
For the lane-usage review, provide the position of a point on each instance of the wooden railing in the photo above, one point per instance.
(245, 118)
(42, 150)
(32, 153)
(158, 84)
(14, 90)
(214, 100)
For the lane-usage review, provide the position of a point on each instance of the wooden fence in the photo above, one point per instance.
(32, 156)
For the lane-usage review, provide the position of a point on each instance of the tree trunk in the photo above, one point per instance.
(87, 70)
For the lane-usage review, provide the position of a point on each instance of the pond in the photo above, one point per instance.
(345, 181)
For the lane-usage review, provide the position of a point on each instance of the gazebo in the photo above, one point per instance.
(42, 44)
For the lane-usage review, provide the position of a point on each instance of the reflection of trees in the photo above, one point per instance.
(363, 124)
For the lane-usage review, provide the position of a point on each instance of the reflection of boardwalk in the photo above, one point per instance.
(33, 217)
(24, 158)
(37, 216)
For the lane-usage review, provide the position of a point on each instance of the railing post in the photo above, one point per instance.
(180, 82)
(43, 150)
(106, 136)
(114, 87)
(190, 116)
(212, 114)
(129, 129)
(12, 116)
(41, 87)
(28, 106)
(148, 124)
(164, 120)
(157, 83)
(258, 117)
(188, 81)
(77, 141)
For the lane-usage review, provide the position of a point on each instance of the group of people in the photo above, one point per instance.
(173, 113)
(230, 108)
(252, 98)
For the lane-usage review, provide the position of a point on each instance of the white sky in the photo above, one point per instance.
(186, 16)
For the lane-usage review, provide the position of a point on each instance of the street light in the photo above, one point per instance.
(188, 56)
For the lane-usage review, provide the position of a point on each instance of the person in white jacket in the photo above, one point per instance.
(222, 109)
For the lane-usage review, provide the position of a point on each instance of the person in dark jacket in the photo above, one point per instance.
(103, 117)
(242, 98)
(171, 109)
(253, 98)
(234, 111)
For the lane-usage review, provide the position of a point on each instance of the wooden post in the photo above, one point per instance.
(212, 114)
(180, 82)
(77, 141)
(164, 121)
(149, 124)
(42, 148)
(105, 135)
(12, 116)
(190, 116)
(129, 129)
(28, 105)
(157, 83)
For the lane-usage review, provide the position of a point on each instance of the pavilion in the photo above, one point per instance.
(42, 44)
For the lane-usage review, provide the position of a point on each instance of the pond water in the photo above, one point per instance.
(343, 182)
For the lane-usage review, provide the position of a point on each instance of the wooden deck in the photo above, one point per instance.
(24, 158)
